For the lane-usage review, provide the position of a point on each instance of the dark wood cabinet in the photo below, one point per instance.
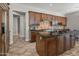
(46, 47)
(33, 36)
(34, 17)
(51, 46)
(61, 20)
(31, 18)
(37, 18)
(44, 16)
(40, 46)
(49, 17)
(72, 41)
(67, 41)
(60, 45)
(54, 45)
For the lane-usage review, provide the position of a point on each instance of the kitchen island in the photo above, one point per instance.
(54, 43)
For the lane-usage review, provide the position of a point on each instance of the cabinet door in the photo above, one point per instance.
(53, 17)
(37, 18)
(51, 47)
(62, 20)
(60, 45)
(72, 41)
(49, 17)
(44, 16)
(33, 37)
(67, 41)
(59, 19)
(41, 46)
(31, 18)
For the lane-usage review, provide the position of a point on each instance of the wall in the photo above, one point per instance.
(73, 20)
(25, 8)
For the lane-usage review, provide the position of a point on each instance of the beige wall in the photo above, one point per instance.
(73, 20)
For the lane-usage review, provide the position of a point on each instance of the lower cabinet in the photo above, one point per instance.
(67, 41)
(54, 45)
(51, 47)
(33, 36)
(72, 41)
(46, 47)
(41, 46)
(60, 45)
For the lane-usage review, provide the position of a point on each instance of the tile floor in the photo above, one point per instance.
(22, 48)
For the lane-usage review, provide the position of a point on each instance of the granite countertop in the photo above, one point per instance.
(49, 33)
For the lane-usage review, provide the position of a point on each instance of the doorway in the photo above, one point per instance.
(16, 27)
(19, 27)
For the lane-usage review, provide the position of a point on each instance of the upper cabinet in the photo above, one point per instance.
(36, 17)
(44, 16)
(62, 20)
(32, 18)
(49, 17)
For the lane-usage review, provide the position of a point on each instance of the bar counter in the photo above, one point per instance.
(49, 43)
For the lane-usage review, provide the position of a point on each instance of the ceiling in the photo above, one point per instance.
(63, 8)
